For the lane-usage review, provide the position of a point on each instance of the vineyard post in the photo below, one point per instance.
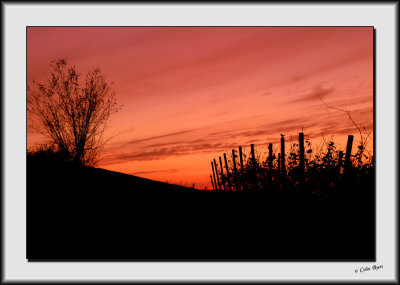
(227, 173)
(215, 181)
(253, 157)
(234, 169)
(216, 174)
(279, 163)
(222, 174)
(234, 161)
(253, 160)
(347, 163)
(301, 154)
(242, 182)
(283, 166)
(241, 158)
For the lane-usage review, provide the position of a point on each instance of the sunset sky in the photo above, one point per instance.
(189, 94)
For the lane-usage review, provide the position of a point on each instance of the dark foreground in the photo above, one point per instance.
(94, 214)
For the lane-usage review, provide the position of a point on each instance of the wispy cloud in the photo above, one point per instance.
(205, 140)
(174, 170)
(156, 154)
(318, 93)
(157, 137)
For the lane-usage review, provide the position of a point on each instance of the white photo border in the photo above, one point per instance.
(17, 16)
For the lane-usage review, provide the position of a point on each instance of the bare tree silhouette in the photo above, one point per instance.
(73, 112)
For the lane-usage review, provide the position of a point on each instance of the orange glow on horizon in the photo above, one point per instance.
(189, 94)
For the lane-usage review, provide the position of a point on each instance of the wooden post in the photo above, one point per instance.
(242, 182)
(270, 163)
(241, 158)
(227, 173)
(253, 159)
(215, 181)
(279, 163)
(283, 166)
(222, 174)
(234, 170)
(347, 162)
(212, 182)
(234, 161)
(216, 175)
(301, 153)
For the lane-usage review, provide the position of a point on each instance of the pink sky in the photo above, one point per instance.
(191, 93)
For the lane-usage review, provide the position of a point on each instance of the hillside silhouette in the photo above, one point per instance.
(86, 213)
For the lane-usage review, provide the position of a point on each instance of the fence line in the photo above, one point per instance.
(246, 177)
